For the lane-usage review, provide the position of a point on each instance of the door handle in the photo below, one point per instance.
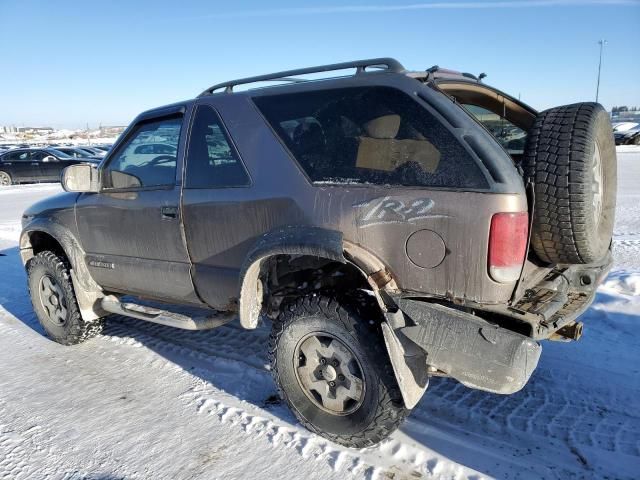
(169, 212)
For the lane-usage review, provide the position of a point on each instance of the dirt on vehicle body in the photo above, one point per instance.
(393, 225)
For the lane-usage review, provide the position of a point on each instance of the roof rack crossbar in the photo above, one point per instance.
(391, 64)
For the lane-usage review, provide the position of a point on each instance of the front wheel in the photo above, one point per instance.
(54, 300)
(332, 369)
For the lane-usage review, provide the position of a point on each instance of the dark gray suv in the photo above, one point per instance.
(392, 225)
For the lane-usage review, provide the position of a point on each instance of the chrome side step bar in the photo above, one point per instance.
(112, 304)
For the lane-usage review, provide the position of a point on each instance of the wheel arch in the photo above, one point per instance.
(311, 247)
(41, 236)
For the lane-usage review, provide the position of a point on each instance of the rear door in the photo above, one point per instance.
(131, 230)
(18, 165)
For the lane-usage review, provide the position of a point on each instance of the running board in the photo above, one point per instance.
(164, 317)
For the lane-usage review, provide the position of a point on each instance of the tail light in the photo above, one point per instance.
(507, 245)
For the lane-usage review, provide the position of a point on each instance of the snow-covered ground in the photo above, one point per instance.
(145, 401)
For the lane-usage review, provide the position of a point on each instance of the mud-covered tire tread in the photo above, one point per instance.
(555, 163)
(391, 411)
(78, 330)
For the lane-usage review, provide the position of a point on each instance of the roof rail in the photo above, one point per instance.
(391, 64)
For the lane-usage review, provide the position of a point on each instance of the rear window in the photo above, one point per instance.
(370, 135)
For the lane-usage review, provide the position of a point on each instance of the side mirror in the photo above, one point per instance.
(49, 158)
(81, 178)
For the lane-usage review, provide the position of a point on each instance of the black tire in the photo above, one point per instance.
(381, 410)
(559, 160)
(69, 328)
(5, 179)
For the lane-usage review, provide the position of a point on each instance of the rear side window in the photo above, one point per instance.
(17, 156)
(370, 135)
(212, 162)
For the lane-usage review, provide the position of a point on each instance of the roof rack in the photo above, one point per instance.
(390, 64)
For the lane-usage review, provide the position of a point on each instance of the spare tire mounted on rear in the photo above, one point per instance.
(570, 159)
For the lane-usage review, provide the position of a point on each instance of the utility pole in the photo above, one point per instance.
(602, 43)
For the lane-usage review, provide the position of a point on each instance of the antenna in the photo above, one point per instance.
(602, 43)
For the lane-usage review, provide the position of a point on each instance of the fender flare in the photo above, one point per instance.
(290, 240)
(88, 292)
(314, 241)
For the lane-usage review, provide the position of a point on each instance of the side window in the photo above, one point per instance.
(370, 135)
(512, 138)
(12, 157)
(212, 162)
(37, 156)
(137, 163)
(23, 157)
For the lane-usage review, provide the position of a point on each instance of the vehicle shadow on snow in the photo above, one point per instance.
(14, 291)
(516, 435)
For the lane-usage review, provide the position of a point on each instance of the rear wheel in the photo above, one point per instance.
(570, 158)
(5, 179)
(54, 300)
(332, 370)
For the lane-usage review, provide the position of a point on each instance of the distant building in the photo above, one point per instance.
(112, 130)
(35, 130)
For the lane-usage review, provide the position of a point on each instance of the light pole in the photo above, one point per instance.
(602, 43)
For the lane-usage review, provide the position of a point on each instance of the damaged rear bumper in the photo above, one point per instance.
(423, 337)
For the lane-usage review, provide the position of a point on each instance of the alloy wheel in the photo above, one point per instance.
(329, 373)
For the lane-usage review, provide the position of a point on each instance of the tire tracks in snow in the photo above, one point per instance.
(542, 415)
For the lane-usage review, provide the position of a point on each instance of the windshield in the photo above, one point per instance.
(81, 153)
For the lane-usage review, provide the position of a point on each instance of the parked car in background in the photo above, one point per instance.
(35, 165)
(630, 136)
(92, 150)
(76, 152)
(139, 153)
(104, 148)
(624, 126)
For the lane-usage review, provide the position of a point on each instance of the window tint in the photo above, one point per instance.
(512, 138)
(133, 166)
(38, 156)
(24, 156)
(75, 153)
(58, 153)
(375, 135)
(211, 160)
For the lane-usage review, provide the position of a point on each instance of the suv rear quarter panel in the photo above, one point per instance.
(380, 219)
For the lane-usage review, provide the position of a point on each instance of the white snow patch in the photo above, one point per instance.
(625, 283)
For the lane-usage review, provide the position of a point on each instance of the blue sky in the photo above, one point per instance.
(69, 63)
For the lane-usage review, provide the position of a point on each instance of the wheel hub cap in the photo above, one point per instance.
(52, 301)
(329, 373)
(596, 185)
